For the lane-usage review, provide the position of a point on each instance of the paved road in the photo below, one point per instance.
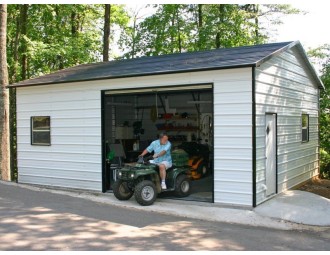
(34, 220)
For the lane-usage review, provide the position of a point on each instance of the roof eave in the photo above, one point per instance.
(304, 55)
(19, 85)
(310, 66)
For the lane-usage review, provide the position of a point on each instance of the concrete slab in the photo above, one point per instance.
(298, 207)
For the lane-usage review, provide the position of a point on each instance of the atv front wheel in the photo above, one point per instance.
(182, 186)
(121, 190)
(145, 192)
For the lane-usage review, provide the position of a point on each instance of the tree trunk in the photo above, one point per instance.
(179, 32)
(74, 23)
(133, 37)
(13, 77)
(171, 32)
(4, 98)
(200, 15)
(256, 22)
(106, 33)
(200, 25)
(24, 14)
(221, 20)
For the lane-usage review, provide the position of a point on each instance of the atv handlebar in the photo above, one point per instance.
(142, 160)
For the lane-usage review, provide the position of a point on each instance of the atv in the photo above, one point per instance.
(142, 180)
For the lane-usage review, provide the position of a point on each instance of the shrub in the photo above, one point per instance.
(324, 164)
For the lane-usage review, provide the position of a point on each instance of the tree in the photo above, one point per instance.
(267, 14)
(130, 38)
(166, 31)
(106, 32)
(325, 118)
(118, 20)
(179, 28)
(23, 33)
(4, 98)
(321, 57)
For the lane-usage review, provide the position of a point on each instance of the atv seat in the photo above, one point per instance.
(170, 169)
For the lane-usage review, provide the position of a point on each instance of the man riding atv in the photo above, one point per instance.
(162, 156)
(142, 179)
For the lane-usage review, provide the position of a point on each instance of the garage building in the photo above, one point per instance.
(256, 108)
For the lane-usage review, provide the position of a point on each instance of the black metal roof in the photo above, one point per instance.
(246, 56)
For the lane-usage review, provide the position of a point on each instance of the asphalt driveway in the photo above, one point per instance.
(39, 220)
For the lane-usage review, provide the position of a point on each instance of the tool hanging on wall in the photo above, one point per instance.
(157, 104)
(137, 125)
(205, 127)
(154, 111)
(167, 107)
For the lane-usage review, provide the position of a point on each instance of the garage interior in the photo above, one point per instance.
(133, 118)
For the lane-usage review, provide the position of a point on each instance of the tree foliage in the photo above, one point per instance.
(175, 28)
(321, 56)
(43, 38)
(55, 36)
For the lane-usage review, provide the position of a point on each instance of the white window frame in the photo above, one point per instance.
(304, 128)
(38, 130)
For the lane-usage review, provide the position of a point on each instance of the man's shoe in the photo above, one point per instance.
(164, 185)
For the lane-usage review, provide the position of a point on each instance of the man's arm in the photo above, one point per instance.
(144, 153)
(149, 149)
(162, 153)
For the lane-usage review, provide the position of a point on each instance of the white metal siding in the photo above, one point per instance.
(233, 139)
(74, 158)
(283, 86)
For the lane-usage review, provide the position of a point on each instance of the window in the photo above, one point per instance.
(40, 130)
(304, 127)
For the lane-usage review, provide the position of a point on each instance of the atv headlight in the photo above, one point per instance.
(119, 174)
(132, 175)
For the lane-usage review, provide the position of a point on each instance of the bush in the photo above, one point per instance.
(324, 164)
(325, 119)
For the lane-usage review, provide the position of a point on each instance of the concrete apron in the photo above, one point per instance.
(194, 210)
(298, 207)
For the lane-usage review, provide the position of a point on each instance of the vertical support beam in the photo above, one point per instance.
(103, 147)
(254, 142)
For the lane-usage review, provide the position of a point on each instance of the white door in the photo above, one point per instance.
(271, 154)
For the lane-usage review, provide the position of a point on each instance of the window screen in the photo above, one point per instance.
(304, 127)
(40, 130)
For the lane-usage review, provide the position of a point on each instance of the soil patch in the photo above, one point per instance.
(317, 186)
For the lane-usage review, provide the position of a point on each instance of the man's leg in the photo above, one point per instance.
(162, 173)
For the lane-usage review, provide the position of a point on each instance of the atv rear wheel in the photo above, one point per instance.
(203, 169)
(145, 192)
(182, 186)
(121, 190)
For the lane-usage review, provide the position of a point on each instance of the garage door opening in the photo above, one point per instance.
(132, 119)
